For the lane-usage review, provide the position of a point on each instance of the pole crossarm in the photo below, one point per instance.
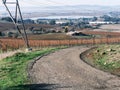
(4, 1)
(15, 19)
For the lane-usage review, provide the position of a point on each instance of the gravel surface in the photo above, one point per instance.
(64, 70)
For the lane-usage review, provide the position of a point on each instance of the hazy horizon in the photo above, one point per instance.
(46, 3)
(47, 7)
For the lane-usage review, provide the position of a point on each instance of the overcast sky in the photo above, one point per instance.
(69, 2)
(39, 3)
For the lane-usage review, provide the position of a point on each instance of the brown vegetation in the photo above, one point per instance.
(102, 33)
(7, 26)
(50, 36)
(18, 43)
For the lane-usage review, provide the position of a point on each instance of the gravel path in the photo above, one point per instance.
(64, 70)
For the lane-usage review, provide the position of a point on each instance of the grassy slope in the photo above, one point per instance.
(13, 69)
(103, 56)
(106, 57)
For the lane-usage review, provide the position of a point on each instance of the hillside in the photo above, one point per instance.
(105, 57)
(81, 10)
(5, 26)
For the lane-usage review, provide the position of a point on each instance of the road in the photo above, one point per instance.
(64, 70)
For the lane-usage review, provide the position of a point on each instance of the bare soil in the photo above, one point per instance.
(109, 28)
(64, 70)
(7, 54)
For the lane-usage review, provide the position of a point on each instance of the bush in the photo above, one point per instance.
(9, 34)
(13, 35)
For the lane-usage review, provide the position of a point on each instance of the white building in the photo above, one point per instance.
(100, 22)
(61, 21)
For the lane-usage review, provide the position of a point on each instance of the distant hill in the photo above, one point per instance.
(83, 8)
(67, 10)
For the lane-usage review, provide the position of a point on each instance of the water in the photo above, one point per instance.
(59, 17)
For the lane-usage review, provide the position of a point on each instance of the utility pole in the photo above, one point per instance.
(14, 18)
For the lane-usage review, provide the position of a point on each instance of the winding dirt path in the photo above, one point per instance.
(64, 70)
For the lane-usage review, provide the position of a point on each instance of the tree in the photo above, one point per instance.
(94, 19)
(66, 29)
(6, 19)
(0, 33)
(52, 22)
(30, 28)
(106, 18)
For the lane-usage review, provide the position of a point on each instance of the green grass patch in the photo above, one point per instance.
(102, 57)
(104, 64)
(13, 69)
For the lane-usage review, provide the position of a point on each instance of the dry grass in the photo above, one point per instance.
(111, 26)
(51, 36)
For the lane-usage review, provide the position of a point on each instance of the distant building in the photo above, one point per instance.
(62, 21)
(76, 33)
(42, 21)
(99, 22)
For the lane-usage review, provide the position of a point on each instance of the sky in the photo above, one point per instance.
(44, 3)
(68, 2)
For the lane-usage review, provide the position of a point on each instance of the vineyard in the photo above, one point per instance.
(114, 37)
(103, 33)
(19, 43)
